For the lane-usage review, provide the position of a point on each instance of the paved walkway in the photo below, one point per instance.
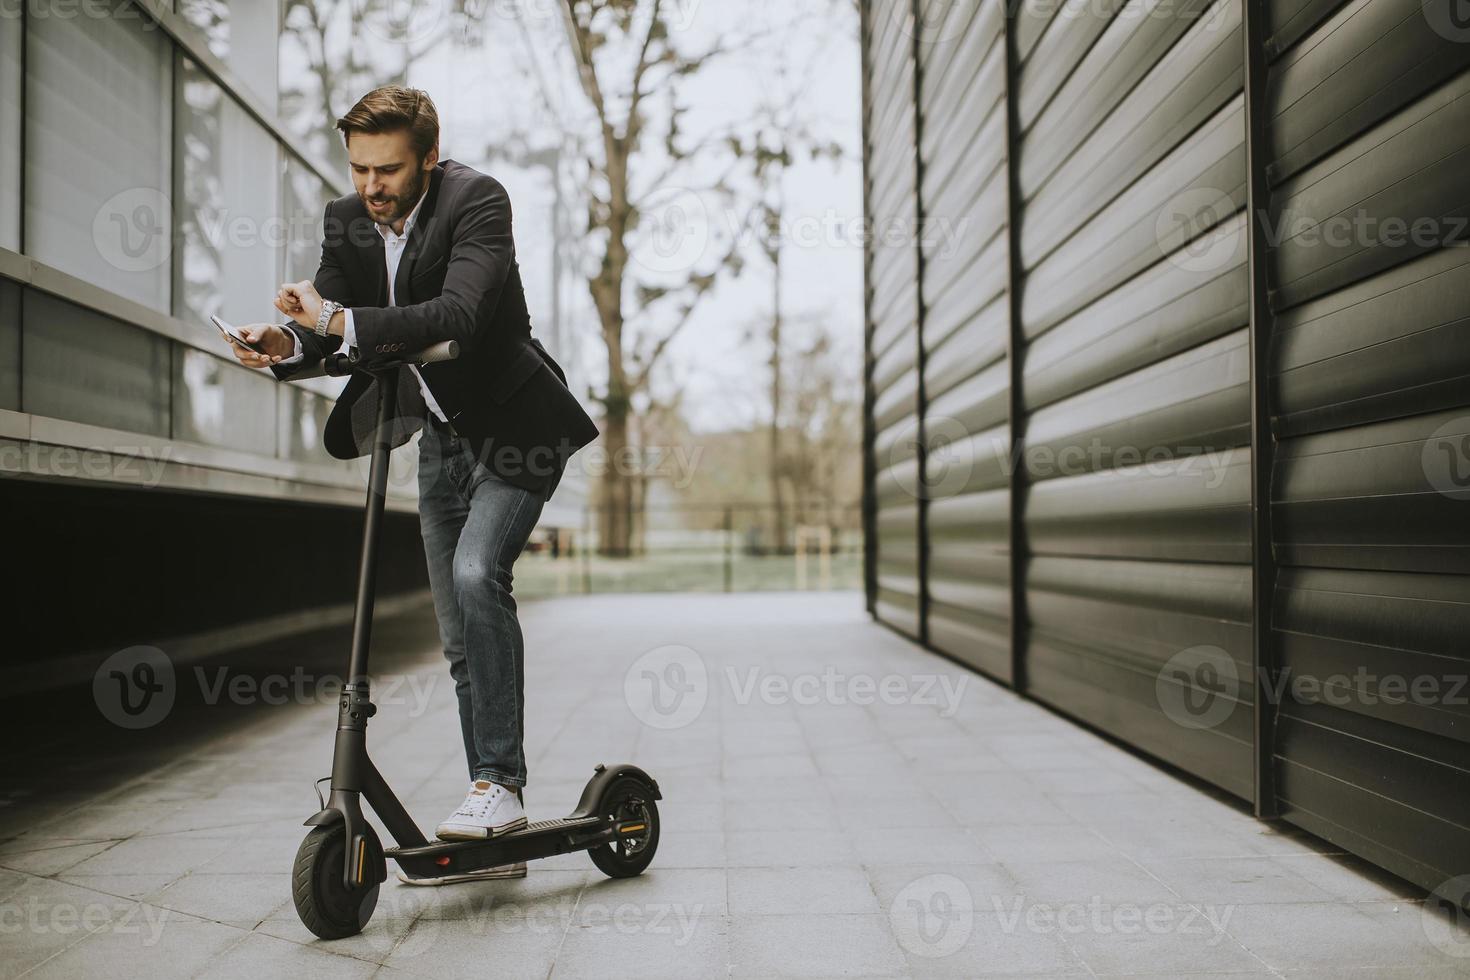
(837, 803)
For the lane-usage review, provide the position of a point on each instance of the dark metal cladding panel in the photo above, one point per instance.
(1390, 345)
(1182, 203)
(966, 321)
(1370, 353)
(1360, 637)
(1176, 411)
(1387, 195)
(1388, 496)
(1194, 509)
(1328, 92)
(1133, 45)
(890, 128)
(1162, 312)
(1361, 783)
(1031, 21)
(1135, 384)
(1136, 380)
(1194, 81)
(1069, 33)
(1156, 653)
(1288, 21)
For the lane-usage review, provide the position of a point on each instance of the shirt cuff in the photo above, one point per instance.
(297, 356)
(349, 330)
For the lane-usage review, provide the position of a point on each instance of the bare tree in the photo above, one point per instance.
(784, 133)
(383, 40)
(625, 55)
(824, 424)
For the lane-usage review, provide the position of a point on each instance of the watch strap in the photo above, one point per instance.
(324, 318)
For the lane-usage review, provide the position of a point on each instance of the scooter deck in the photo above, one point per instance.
(542, 838)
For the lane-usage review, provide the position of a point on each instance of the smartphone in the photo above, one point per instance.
(233, 336)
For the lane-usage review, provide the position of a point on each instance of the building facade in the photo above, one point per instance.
(161, 161)
(1168, 421)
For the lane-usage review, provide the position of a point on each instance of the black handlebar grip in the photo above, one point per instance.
(338, 363)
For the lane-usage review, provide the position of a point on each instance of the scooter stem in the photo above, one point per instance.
(367, 574)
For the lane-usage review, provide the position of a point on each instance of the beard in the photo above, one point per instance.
(400, 204)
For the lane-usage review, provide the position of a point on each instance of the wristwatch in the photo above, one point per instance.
(329, 307)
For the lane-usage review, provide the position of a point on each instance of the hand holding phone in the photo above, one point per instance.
(252, 344)
(233, 335)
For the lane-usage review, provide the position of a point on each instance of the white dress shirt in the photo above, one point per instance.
(393, 245)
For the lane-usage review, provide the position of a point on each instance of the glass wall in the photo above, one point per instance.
(217, 403)
(11, 40)
(126, 164)
(333, 53)
(306, 201)
(97, 148)
(80, 365)
(9, 345)
(243, 34)
(303, 415)
(227, 204)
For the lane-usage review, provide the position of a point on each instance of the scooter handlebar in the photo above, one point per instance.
(338, 364)
(445, 350)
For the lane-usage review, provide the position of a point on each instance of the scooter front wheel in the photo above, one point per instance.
(326, 906)
(630, 802)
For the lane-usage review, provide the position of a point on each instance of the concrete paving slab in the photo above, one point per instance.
(810, 828)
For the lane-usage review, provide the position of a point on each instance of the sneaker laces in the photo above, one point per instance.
(479, 802)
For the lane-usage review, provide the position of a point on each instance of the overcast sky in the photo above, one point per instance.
(484, 95)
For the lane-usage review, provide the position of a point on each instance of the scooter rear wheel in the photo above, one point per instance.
(326, 906)
(628, 800)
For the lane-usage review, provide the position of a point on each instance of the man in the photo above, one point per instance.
(423, 253)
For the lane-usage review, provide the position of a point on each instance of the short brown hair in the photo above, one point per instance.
(393, 107)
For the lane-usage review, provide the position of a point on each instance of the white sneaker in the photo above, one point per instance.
(489, 811)
(517, 870)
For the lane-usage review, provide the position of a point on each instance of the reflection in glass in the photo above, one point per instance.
(221, 404)
(103, 216)
(9, 345)
(306, 200)
(303, 416)
(80, 365)
(11, 39)
(333, 52)
(230, 234)
(244, 35)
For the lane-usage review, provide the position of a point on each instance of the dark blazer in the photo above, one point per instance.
(457, 280)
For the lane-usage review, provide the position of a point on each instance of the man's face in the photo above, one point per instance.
(387, 173)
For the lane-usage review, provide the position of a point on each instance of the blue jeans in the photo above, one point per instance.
(474, 526)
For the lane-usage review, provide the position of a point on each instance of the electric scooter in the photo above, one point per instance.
(341, 864)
